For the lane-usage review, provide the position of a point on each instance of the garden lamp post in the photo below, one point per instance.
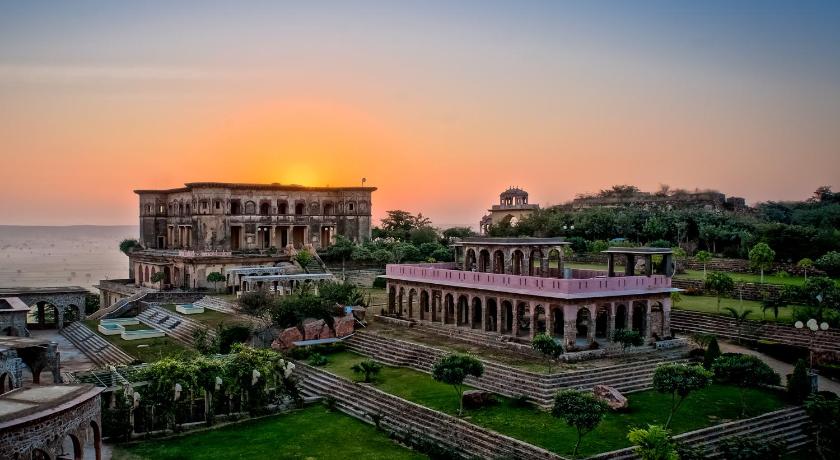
(813, 328)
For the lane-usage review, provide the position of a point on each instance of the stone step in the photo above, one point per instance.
(99, 350)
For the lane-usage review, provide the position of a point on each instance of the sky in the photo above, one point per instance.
(439, 104)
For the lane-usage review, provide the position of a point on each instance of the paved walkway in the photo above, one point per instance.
(781, 367)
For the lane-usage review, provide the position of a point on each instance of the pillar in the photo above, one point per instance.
(570, 326)
(590, 329)
(533, 330)
(548, 319)
(666, 317)
(647, 320)
(515, 321)
(610, 320)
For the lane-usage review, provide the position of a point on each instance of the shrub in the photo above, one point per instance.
(660, 244)
(744, 448)
(317, 359)
(829, 263)
(380, 282)
(653, 443)
(226, 336)
(744, 371)
(627, 337)
(799, 384)
(369, 369)
(548, 347)
(712, 353)
(679, 380)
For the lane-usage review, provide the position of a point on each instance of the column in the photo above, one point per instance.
(610, 265)
(666, 317)
(498, 315)
(515, 320)
(533, 330)
(548, 320)
(590, 329)
(610, 320)
(647, 320)
(271, 236)
(570, 326)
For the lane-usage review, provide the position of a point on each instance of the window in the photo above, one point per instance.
(218, 204)
(299, 208)
(265, 208)
(250, 207)
(282, 207)
(235, 207)
(350, 206)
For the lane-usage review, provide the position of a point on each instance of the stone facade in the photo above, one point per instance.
(39, 428)
(64, 301)
(232, 217)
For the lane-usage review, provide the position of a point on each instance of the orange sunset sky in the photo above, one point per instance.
(441, 105)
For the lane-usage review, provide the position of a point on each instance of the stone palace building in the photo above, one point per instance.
(513, 205)
(518, 287)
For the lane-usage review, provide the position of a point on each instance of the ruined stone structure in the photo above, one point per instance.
(513, 205)
(210, 216)
(37, 355)
(678, 199)
(51, 306)
(518, 287)
(50, 422)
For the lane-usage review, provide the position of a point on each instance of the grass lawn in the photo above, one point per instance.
(713, 405)
(146, 350)
(310, 433)
(211, 318)
(708, 304)
(769, 278)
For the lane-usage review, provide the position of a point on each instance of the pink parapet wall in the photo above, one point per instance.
(583, 281)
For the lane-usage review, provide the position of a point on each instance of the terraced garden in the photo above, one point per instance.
(716, 404)
(146, 350)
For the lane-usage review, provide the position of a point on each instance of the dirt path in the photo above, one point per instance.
(781, 367)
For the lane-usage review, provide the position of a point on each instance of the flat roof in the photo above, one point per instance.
(246, 186)
(32, 402)
(639, 251)
(8, 304)
(18, 291)
(527, 241)
(22, 342)
(298, 276)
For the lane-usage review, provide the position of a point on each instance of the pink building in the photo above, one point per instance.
(519, 287)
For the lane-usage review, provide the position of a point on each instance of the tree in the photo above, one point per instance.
(341, 250)
(303, 258)
(580, 410)
(799, 383)
(215, 277)
(406, 252)
(423, 235)
(382, 256)
(457, 232)
(703, 257)
(679, 380)
(627, 337)
(805, 264)
(829, 262)
(128, 245)
(398, 224)
(453, 370)
(368, 369)
(712, 353)
(744, 371)
(824, 414)
(821, 292)
(740, 318)
(548, 347)
(653, 443)
(761, 258)
(254, 303)
(158, 277)
(720, 284)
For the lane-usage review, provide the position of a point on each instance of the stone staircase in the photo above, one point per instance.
(694, 322)
(99, 350)
(791, 425)
(115, 309)
(174, 325)
(216, 303)
(359, 400)
(477, 336)
(510, 381)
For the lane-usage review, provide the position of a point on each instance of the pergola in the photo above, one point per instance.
(287, 282)
(665, 266)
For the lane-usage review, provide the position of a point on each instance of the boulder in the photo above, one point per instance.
(476, 399)
(326, 332)
(286, 338)
(312, 328)
(611, 396)
(344, 326)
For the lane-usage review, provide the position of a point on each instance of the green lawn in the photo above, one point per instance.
(708, 304)
(146, 350)
(210, 318)
(769, 278)
(310, 433)
(713, 405)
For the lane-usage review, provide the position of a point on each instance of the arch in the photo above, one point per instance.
(392, 299)
(522, 318)
(71, 443)
(620, 316)
(300, 208)
(282, 207)
(539, 319)
(412, 294)
(43, 315)
(498, 261)
(400, 299)
(491, 313)
(557, 322)
(476, 317)
(424, 304)
(484, 260)
(97, 439)
(6, 382)
(463, 310)
(602, 320)
(265, 208)
(583, 323)
(554, 264)
(517, 262)
(470, 260)
(329, 208)
(657, 321)
(639, 320)
(250, 208)
(448, 309)
(507, 316)
(535, 267)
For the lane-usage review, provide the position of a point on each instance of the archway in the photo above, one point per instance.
(557, 324)
(522, 319)
(492, 314)
(639, 313)
(97, 439)
(498, 261)
(448, 309)
(424, 304)
(412, 295)
(620, 316)
(517, 262)
(539, 319)
(392, 299)
(484, 261)
(476, 313)
(400, 302)
(554, 265)
(42, 315)
(470, 261)
(6, 382)
(657, 321)
(507, 316)
(71, 448)
(583, 324)
(463, 311)
(602, 319)
(535, 267)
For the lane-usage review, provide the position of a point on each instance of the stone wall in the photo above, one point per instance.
(746, 291)
(715, 264)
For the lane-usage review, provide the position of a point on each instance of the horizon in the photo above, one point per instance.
(440, 105)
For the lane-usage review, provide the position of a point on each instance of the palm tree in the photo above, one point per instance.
(740, 318)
